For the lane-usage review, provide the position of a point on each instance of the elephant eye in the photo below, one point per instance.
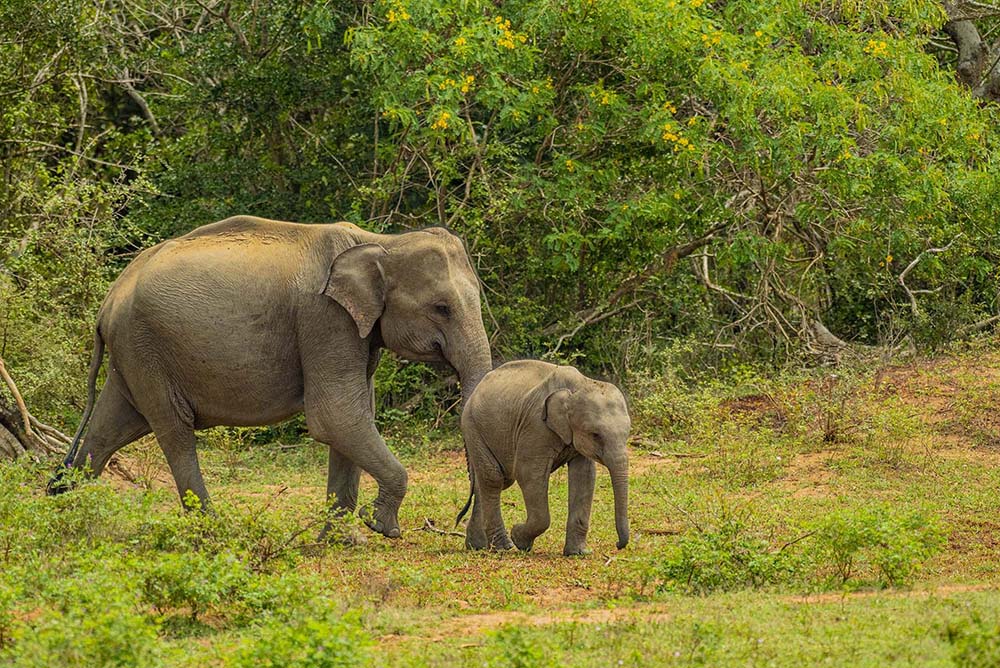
(443, 309)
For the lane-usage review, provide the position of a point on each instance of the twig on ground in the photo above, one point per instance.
(430, 527)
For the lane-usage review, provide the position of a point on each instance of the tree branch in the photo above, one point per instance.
(902, 276)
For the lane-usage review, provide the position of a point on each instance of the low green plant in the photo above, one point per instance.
(872, 545)
(975, 643)
(109, 632)
(193, 581)
(516, 648)
(316, 640)
(729, 556)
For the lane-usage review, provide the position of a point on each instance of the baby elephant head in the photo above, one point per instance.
(592, 417)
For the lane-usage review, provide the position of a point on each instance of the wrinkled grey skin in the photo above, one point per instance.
(525, 420)
(249, 321)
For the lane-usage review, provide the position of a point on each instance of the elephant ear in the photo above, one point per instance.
(357, 282)
(555, 414)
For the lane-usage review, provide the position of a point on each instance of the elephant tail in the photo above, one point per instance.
(472, 489)
(465, 508)
(56, 484)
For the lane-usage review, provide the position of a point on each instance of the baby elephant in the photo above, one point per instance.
(524, 420)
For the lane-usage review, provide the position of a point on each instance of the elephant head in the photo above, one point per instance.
(420, 291)
(592, 416)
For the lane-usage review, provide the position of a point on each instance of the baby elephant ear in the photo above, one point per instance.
(357, 282)
(556, 415)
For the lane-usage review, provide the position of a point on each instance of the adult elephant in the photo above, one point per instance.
(248, 321)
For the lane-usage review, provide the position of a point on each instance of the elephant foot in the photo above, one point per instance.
(60, 482)
(575, 551)
(501, 543)
(521, 541)
(381, 521)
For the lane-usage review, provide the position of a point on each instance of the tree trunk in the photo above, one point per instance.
(20, 432)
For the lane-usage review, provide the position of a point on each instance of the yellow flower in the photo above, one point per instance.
(397, 14)
(460, 41)
(758, 34)
(677, 194)
(467, 83)
(442, 121)
(877, 48)
(570, 167)
(888, 259)
(692, 120)
(697, 3)
(606, 98)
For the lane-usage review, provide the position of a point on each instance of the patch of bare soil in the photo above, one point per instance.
(957, 396)
(761, 408)
(808, 475)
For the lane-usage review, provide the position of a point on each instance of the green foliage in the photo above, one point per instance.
(192, 581)
(851, 548)
(728, 557)
(513, 647)
(572, 145)
(975, 642)
(308, 641)
(874, 545)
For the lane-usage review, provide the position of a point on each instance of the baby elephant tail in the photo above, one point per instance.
(465, 508)
(468, 503)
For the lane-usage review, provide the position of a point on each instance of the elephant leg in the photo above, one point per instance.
(178, 445)
(114, 424)
(534, 484)
(358, 441)
(343, 475)
(582, 475)
(343, 480)
(495, 533)
(475, 530)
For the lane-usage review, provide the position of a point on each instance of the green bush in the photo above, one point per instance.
(874, 546)
(730, 556)
(193, 581)
(106, 633)
(309, 641)
(975, 643)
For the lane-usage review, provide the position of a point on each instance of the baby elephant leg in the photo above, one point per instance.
(534, 484)
(582, 474)
(492, 520)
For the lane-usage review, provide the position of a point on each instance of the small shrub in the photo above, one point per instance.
(105, 634)
(974, 643)
(193, 580)
(513, 647)
(873, 545)
(725, 558)
(315, 641)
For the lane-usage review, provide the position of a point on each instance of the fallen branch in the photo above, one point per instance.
(978, 326)
(431, 528)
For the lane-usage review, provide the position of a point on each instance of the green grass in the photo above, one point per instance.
(787, 522)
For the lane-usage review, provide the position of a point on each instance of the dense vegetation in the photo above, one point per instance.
(764, 180)
(677, 194)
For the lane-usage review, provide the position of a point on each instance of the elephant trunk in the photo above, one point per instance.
(618, 467)
(471, 359)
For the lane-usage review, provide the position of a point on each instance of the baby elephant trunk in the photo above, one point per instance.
(618, 467)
